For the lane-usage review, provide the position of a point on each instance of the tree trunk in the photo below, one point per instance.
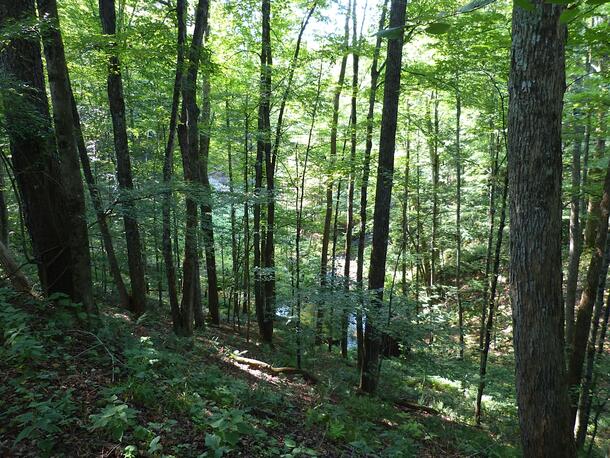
(264, 246)
(366, 166)
(458, 217)
(584, 310)
(34, 157)
(585, 399)
(575, 234)
(117, 111)
(188, 136)
(4, 223)
(330, 183)
(74, 203)
(351, 181)
(168, 169)
(207, 226)
(536, 87)
(381, 219)
(490, 306)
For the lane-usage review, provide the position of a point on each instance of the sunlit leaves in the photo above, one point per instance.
(437, 28)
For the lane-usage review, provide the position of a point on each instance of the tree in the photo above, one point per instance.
(536, 87)
(34, 156)
(383, 194)
(116, 102)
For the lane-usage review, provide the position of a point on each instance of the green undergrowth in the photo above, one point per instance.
(129, 388)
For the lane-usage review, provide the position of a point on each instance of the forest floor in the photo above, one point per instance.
(130, 388)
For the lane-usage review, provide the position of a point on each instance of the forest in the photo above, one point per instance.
(300, 228)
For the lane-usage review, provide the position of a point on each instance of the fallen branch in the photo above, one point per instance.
(403, 403)
(274, 370)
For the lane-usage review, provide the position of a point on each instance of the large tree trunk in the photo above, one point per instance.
(34, 157)
(264, 246)
(364, 186)
(117, 111)
(61, 96)
(536, 87)
(168, 169)
(381, 219)
(188, 136)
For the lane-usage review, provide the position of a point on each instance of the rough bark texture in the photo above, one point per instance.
(34, 157)
(381, 218)
(116, 101)
(536, 87)
(74, 203)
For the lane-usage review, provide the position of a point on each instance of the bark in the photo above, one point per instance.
(330, 183)
(381, 219)
(116, 102)
(188, 136)
(234, 248)
(366, 167)
(168, 169)
(207, 226)
(61, 96)
(34, 158)
(536, 87)
(15, 276)
(264, 246)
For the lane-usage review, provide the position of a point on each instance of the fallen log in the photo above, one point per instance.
(403, 403)
(274, 370)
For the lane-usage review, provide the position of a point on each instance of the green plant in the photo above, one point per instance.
(114, 419)
(45, 420)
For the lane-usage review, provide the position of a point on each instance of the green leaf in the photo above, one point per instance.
(154, 445)
(527, 5)
(597, 2)
(569, 15)
(391, 33)
(474, 5)
(436, 28)
(289, 442)
(559, 2)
